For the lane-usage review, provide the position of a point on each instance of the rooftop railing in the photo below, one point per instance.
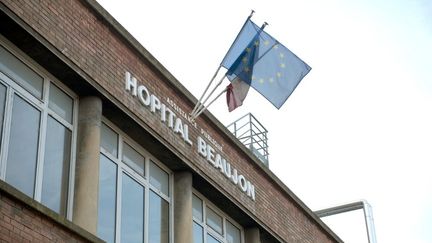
(253, 135)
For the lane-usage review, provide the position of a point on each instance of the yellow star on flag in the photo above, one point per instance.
(282, 65)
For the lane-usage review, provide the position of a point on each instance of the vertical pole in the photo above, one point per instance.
(251, 132)
(370, 227)
(85, 207)
(183, 207)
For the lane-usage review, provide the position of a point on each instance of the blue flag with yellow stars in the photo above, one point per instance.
(262, 62)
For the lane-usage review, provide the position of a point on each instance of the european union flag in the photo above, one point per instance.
(243, 66)
(262, 62)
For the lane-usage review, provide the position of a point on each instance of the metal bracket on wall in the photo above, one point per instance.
(367, 210)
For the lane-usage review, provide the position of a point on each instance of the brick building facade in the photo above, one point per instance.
(126, 132)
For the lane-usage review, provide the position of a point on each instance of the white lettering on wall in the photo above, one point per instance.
(220, 163)
(182, 113)
(131, 84)
(211, 139)
(178, 127)
(156, 106)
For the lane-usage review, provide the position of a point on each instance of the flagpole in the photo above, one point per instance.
(208, 97)
(199, 104)
(235, 40)
(205, 107)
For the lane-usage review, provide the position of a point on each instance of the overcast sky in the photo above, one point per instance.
(359, 125)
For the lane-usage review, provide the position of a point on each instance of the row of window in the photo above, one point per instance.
(210, 226)
(38, 127)
(135, 198)
(134, 193)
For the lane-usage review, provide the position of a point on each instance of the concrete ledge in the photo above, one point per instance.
(46, 212)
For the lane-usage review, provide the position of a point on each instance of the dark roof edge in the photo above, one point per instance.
(148, 56)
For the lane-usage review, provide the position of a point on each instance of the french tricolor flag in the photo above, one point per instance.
(236, 93)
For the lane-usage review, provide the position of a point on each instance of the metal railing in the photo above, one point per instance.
(249, 131)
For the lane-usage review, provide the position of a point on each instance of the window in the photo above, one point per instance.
(214, 221)
(36, 131)
(210, 225)
(132, 208)
(134, 192)
(107, 199)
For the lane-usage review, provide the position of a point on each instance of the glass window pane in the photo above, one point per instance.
(60, 103)
(158, 219)
(214, 221)
(109, 140)
(197, 208)
(2, 107)
(133, 159)
(56, 166)
(233, 233)
(198, 236)
(211, 239)
(132, 213)
(159, 178)
(23, 146)
(107, 199)
(27, 78)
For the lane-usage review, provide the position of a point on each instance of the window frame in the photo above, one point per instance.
(144, 181)
(13, 88)
(225, 218)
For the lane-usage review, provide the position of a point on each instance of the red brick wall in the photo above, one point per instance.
(72, 28)
(21, 223)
